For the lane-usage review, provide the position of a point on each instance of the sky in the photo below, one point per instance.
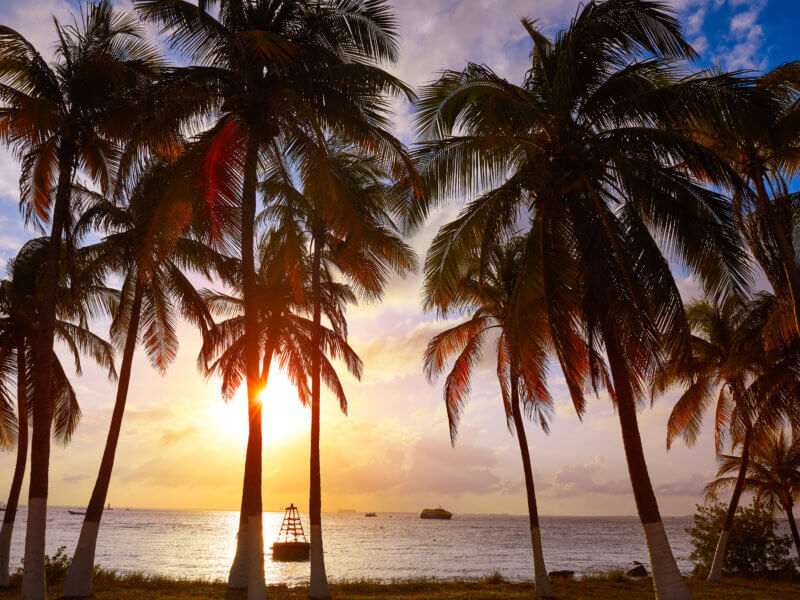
(182, 447)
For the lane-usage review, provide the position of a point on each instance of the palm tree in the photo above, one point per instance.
(59, 118)
(144, 247)
(758, 135)
(727, 354)
(339, 206)
(497, 303)
(773, 477)
(265, 71)
(19, 297)
(583, 154)
(285, 333)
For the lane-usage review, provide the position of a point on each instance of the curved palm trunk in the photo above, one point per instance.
(787, 508)
(19, 468)
(318, 589)
(667, 579)
(237, 578)
(541, 579)
(78, 583)
(715, 574)
(34, 586)
(256, 585)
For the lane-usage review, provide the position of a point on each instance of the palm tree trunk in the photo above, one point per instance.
(78, 583)
(785, 248)
(256, 585)
(19, 467)
(787, 508)
(667, 579)
(318, 589)
(541, 579)
(34, 586)
(237, 578)
(715, 574)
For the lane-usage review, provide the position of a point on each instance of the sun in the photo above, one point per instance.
(282, 413)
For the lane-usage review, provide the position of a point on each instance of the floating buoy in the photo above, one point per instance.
(291, 544)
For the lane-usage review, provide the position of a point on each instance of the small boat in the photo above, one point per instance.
(435, 513)
(291, 544)
(109, 506)
(370, 514)
(76, 512)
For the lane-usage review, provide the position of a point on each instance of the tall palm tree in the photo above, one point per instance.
(498, 301)
(264, 71)
(60, 117)
(19, 297)
(584, 153)
(285, 333)
(339, 206)
(727, 354)
(143, 246)
(773, 477)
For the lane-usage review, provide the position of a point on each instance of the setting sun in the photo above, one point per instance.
(283, 414)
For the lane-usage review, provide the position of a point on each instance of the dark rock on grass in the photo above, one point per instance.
(561, 574)
(637, 571)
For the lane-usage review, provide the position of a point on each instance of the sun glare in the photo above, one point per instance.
(282, 413)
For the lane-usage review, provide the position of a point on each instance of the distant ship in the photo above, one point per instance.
(76, 512)
(370, 514)
(435, 513)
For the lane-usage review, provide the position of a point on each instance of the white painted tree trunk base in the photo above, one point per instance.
(237, 578)
(78, 583)
(34, 584)
(256, 583)
(540, 577)
(5, 552)
(318, 589)
(667, 579)
(715, 574)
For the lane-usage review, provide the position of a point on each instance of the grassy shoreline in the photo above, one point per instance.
(110, 586)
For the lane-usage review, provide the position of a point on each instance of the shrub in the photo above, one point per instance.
(753, 545)
(55, 567)
(495, 578)
(613, 576)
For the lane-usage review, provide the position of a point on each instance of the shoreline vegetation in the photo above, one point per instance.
(613, 585)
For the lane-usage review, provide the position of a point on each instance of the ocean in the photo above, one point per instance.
(392, 546)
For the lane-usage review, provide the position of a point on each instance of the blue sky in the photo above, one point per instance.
(183, 448)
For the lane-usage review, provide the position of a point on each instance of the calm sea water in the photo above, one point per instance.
(199, 544)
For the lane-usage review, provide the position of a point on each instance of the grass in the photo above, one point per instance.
(110, 586)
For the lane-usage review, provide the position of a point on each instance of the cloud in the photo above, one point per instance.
(389, 357)
(695, 20)
(575, 480)
(394, 462)
(171, 436)
(746, 37)
(689, 486)
(437, 468)
(74, 478)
